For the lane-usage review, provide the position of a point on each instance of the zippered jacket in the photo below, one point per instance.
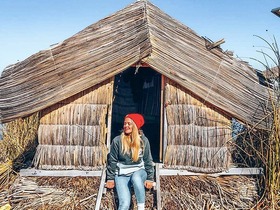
(119, 162)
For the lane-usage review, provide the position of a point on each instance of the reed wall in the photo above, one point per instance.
(72, 133)
(198, 136)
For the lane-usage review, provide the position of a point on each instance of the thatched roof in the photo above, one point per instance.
(140, 32)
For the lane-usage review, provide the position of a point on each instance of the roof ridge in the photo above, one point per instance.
(146, 19)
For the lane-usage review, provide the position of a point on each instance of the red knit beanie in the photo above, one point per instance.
(138, 119)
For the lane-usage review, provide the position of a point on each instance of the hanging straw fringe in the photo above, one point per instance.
(193, 114)
(197, 159)
(82, 114)
(198, 135)
(58, 157)
(69, 135)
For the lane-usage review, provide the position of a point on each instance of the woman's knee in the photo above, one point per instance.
(140, 175)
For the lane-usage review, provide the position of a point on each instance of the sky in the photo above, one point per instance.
(27, 27)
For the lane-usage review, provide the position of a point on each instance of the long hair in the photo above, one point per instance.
(132, 143)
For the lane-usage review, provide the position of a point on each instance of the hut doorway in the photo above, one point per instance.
(138, 90)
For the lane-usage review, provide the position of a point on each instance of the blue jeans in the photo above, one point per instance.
(123, 185)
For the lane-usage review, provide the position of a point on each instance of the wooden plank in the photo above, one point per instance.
(165, 127)
(109, 119)
(109, 125)
(230, 172)
(101, 188)
(142, 65)
(50, 173)
(158, 187)
(162, 171)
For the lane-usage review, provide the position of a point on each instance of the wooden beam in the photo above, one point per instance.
(161, 137)
(141, 64)
(101, 188)
(215, 44)
(162, 172)
(50, 173)
(165, 127)
(109, 127)
(158, 187)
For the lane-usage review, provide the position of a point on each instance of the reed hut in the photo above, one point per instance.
(138, 59)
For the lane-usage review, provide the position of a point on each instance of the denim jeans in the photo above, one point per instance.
(123, 185)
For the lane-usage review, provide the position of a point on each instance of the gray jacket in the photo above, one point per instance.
(117, 159)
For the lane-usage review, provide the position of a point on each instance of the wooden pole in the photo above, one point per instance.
(161, 137)
(158, 187)
(101, 188)
(109, 122)
(164, 132)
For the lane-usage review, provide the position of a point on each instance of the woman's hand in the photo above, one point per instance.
(110, 184)
(149, 184)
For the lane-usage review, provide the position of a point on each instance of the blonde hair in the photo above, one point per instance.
(132, 143)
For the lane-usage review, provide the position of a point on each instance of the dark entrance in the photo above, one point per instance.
(138, 90)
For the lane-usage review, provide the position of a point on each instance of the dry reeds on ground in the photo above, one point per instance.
(204, 192)
(61, 193)
(177, 193)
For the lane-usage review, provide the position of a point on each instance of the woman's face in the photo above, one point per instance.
(127, 126)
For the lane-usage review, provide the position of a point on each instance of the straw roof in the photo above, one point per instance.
(140, 32)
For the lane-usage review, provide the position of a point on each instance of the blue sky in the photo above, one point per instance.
(29, 26)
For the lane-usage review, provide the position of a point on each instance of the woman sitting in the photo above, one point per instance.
(130, 163)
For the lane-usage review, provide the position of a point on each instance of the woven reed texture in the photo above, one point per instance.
(140, 32)
(72, 133)
(197, 136)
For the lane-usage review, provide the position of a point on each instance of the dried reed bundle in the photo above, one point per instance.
(17, 146)
(193, 114)
(70, 157)
(26, 194)
(19, 136)
(197, 159)
(198, 137)
(6, 170)
(73, 114)
(72, 133)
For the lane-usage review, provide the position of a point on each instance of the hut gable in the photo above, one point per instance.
(139, 33)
